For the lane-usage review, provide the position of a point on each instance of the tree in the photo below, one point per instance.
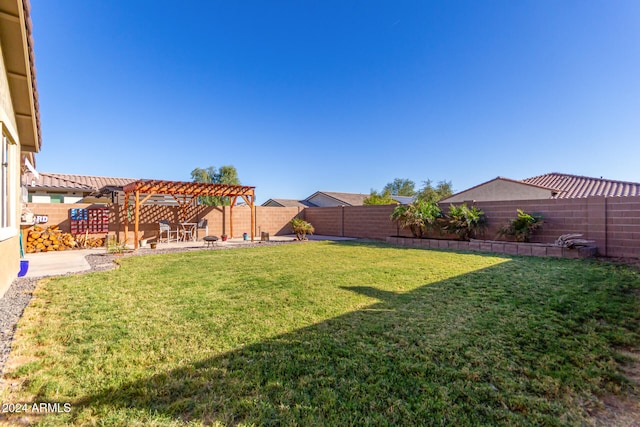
(401, 187)
(225, 175)
(433, 194)
(383, 198)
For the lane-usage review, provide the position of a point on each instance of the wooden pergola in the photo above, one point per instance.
(185, 193)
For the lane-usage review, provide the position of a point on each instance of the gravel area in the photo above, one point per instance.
(17, 297)
(12, 305)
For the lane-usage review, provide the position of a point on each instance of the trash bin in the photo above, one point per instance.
(24, 267)
(264, 236)
(245, 236)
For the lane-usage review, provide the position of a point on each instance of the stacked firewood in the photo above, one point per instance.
(87, 241)
(49, 239)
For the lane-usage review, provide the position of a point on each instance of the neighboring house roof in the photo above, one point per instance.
(548, 186)
(288, 203)
(334, 198)
(66, 182)
(346, 199)
(576, 187)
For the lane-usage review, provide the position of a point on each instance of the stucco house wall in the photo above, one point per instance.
(19, 127)
(9, 235)
(322, 200)
(500, 189)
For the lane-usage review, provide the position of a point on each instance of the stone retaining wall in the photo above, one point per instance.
(510, 248)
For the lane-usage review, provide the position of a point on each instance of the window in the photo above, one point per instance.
(7, 195)
(57, 198)
(4, 184)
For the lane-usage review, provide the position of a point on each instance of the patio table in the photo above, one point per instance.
(187, 231)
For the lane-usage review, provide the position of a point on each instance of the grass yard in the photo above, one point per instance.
(329, 334)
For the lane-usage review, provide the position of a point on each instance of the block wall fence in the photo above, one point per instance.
(613, 223)
(267, 219)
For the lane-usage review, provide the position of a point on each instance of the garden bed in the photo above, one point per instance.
(501, 247)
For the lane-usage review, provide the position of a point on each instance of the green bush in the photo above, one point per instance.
(522, 226)
(464, 221)
(419, 216)
(301, 228)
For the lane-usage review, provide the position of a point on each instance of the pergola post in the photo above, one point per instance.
(126, 216)
(249, 201)
(253, 218)
(231, 205)
(136, 227)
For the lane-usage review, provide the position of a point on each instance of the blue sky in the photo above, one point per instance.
(303, 96)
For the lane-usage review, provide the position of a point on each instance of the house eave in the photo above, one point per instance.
(17, 47)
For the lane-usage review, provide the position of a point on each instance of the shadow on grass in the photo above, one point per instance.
(467, 350)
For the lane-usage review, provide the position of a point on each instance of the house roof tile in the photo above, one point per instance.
(349, 199)
(86, 183)
(575, 187)
(289, 203)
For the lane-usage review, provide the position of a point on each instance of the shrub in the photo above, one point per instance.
(383, 198)
(419, 216)
(301, 228)
(464, 221)
(522, 226)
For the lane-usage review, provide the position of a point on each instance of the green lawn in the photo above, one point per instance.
(329, 334)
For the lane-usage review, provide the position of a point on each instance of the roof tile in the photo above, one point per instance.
(73, 182)
(576, 187)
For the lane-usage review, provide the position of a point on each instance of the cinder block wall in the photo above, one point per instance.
(623, 227)
(613, 222)
(326, 221)
(58, 213)
(271, 220)
(369, 222)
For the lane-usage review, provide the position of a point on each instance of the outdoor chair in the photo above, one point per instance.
(165, 227)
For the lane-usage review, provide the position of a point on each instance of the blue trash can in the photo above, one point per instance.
(24, 267)
(245, 236)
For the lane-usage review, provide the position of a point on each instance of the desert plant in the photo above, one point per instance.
(522, 226)
(466, 222)
(419, 216)
(301, 228)
(115, 247)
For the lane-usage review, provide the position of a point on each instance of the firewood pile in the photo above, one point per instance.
(53, 239)
(49, 239)
(87, 241)
(573, 241)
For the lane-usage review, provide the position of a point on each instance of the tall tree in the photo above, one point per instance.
(433, 194)
(382, 198)
(401, 187)
(225, 175)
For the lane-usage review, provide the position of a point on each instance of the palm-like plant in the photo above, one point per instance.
(464, 221)
(301, 228)
(419, 216)
(522, 226)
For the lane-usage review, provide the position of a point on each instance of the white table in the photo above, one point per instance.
(187, 231)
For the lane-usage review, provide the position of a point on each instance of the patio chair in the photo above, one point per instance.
(203, 223)
(165, 227)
